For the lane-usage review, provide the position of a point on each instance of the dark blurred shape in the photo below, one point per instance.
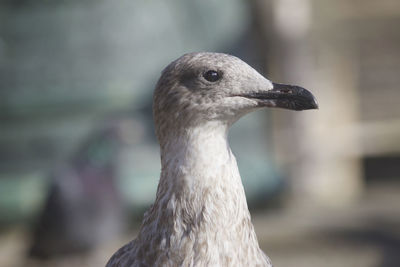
(84, 207)
(381, 168)
(380, 234)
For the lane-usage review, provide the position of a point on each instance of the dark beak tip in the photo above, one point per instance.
(315, 104)
(311, 99)
(301, 98)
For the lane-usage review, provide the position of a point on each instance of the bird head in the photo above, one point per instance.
(203, 87)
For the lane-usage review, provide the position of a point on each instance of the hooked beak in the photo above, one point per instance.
(285, 96)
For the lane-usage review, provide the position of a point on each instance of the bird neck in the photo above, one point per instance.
(198, 163)
(200, 198)
(196, 158)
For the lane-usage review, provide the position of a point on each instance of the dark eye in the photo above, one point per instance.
(212, 76)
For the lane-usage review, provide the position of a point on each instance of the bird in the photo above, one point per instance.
(200, 215)
(83, 208)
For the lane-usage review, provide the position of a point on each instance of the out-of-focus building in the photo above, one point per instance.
(347, 53)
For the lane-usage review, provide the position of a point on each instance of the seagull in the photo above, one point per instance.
(200, 215)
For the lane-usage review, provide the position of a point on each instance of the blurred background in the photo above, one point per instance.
(79, 163)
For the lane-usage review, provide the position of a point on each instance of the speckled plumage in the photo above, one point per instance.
(200, 216)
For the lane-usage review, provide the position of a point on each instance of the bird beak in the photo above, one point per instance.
(285, 96)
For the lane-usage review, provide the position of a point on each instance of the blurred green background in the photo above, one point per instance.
(70, 69)
(76, 132)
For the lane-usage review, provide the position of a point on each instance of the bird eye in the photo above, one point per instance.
(212, 76)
